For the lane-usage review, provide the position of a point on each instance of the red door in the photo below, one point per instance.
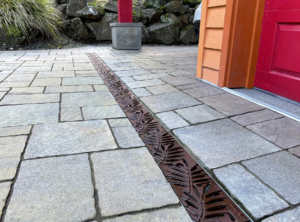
(278, 67)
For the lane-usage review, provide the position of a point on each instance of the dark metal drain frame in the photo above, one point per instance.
(201, 196)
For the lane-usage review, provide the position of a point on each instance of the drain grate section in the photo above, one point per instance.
(203, 199)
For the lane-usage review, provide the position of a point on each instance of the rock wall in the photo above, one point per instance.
(165, 21)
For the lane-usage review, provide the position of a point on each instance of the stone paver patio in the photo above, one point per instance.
(68, 152)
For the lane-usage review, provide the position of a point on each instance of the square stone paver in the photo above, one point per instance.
(283, 132)
(161, 89)
(259, 200)
(141, 84)
(26, 90)
(178, 80)
(82, 81)
(199, 114)
(119, 122)
(130, 180)
(53, 189)
(28, 114)
(70, 114)
(287, 216)
(68, 89)
(32, 98)
(11, 149)
(256, 117)
(169, 101)
(4, 190)
(69, 138)
(281, 172)
(86, 73)
(14, 131)
(87, 99)
(172, 120)
(127, 137)
(177, 214)
(223, 142)
(203, 91)
(229, 104)
(139, 92)
(102, 112)
(295, 151)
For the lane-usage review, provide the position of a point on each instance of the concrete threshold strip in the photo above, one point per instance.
(201, 196)
(273, 108)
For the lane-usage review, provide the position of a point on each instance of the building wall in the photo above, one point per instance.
(211, 36)
(229, 41)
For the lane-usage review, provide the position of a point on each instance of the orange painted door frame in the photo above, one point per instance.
(240, 42)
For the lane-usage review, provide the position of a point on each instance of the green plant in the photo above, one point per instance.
(24, 15)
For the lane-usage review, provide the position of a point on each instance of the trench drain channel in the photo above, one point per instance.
(201, 196)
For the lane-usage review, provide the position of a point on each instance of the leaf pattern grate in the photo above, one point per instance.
(201, 196)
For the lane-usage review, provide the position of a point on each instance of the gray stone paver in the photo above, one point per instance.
(59, 189)
(4, 190)
(199, 114)
(14, 131)
(204, 91)
(176, 65)
(28, 114)
(283, 132)
(122, 188)
(288, 216)
(215, 143)
(139, 92)
(295, 151)
(70, 114)
(82, 81)
(26, 90)
(172, 120)
(127, 137)
(259, 200)
(119, 122)
(141, 84)
(20, 78)
(2, 95)
(175, 214)
(178, 80)
(87, 99)
(68, 89)
(28, 99)
(56, 74)
(161, 89)
(234, 105)
(102, 112)
(14, 84)
(10, 155)
(169, 101)
(100, 88)
(255, 117)
(69, 138)
(46, 82)
(280, 171)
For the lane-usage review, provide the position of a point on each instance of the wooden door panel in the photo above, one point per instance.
(278, 67)
(287, 50)
(281, 5)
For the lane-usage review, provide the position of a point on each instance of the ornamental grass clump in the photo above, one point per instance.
(24, 15)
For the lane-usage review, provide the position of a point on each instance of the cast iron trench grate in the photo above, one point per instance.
(203, 199)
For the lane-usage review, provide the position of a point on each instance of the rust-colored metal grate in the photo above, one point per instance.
(203, 199)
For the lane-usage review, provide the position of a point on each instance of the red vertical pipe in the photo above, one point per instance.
(125, 11)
